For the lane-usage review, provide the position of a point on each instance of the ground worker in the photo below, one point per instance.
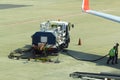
(116, 53)
(111, 55)
(45, 50)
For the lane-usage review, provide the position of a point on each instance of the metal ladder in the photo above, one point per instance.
(96, 76)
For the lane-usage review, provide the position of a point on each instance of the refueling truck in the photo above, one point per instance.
(55, 34)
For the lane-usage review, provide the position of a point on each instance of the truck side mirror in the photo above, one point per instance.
(72, 25)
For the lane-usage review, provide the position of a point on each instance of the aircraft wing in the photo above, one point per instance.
(85, 8)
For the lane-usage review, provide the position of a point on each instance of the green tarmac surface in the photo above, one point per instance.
(22, 19)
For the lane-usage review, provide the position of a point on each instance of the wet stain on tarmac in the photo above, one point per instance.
(9, 6)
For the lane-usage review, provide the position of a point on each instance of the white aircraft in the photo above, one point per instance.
(85, 8)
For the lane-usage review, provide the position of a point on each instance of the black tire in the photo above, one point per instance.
(17, 57)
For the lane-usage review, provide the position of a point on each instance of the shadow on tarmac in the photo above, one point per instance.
(8, 6)
(91, 58)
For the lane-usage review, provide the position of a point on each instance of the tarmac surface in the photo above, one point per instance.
(21, 18)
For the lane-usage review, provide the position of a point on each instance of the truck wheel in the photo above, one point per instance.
(67, 45)
(17, 58)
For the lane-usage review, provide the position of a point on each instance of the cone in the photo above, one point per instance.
(79, 42)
